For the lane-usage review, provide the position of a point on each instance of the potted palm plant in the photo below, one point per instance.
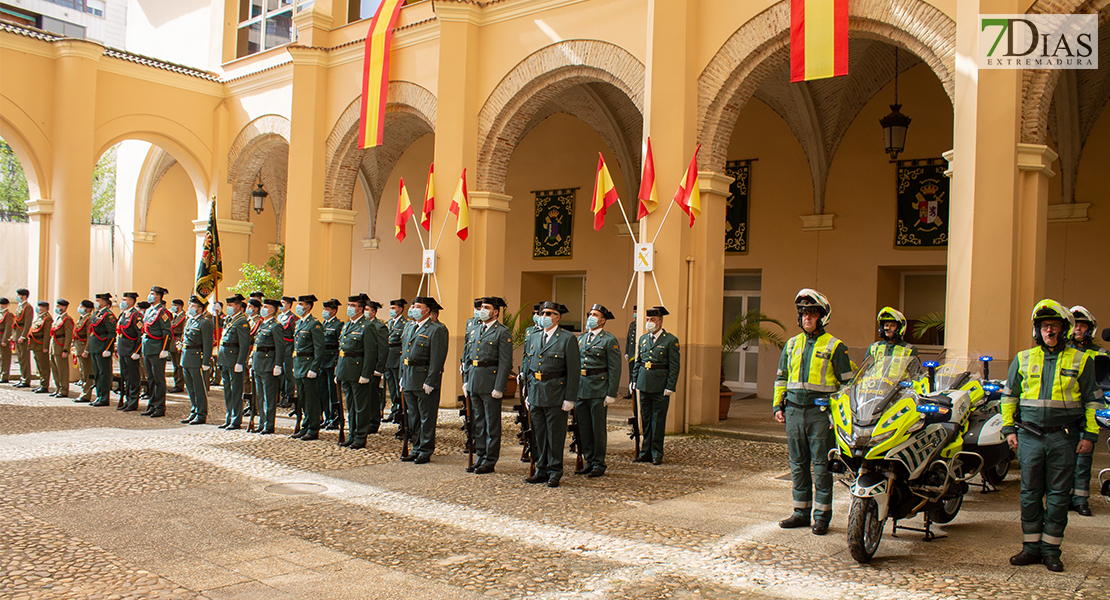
(746, 328)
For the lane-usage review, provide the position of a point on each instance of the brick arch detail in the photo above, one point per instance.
(248, 154)
(504, 118)
(760, 45)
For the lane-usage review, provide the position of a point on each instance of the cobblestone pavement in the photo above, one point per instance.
(95, 503)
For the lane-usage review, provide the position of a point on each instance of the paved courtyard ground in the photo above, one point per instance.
(95, 503)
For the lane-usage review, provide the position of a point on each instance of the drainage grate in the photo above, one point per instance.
(295, 489)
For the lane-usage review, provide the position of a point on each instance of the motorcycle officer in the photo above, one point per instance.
(1050, 395)
(1082, 338)
(892, 327)
(813, 365)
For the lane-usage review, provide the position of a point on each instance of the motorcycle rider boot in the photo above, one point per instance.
(1024, 558)
(820, 527)
(1083, 509)
(794, 522)
(1053, 563)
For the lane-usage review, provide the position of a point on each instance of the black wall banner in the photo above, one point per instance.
(554, 223)
(922, 204)
(736, 207)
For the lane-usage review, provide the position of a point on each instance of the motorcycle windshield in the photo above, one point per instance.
(876, 385)
(953, 372)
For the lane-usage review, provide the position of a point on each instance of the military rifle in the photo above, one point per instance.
(576, 439)
(634, 421)
(298, 408)
(524, 419)
(339, 413)
(403, 428)
(468, 427)
(254, 412)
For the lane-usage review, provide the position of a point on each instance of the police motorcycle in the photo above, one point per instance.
(984, 431)
(1102, 415)
(901, 434)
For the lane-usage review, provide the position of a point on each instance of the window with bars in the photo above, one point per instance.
(265, 24)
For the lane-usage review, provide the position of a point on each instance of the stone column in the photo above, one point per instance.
(488, 217)
(67, 248)
(1034, 162)
(39, 212)
(334, 255)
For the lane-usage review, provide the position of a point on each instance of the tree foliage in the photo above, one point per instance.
(104, 187)
(268, 279)
(13, 182)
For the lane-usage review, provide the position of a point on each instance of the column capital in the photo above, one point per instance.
(370, 243)
(458, 12)
(817, 222)
(1036, 157)
(224, 226)
(145, 237)
(67, 47)
(313, 27)
(307, 55)
(490, 201)
(42, 206)
(715, 182)
(949, 156)
(337, 215)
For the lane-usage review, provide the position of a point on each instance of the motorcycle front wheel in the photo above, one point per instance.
(865, 529)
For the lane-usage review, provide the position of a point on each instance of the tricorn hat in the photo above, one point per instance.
(428, 301)
(604, 311)
(131, 295)
(307, 298)
(398, 302)
(198, 301)
(104, 296)
(157, 289)
(87, 303)
(562, 310)
(62, 302)
(269, 302)
(333, 303)
(658, 311)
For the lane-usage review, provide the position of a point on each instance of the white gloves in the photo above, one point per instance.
(428, 389)
(238, 368)
(311, 374)
(609, 400)
(568, 405)
(466, 392)
(668, 392)
(277, 371)
(204, 367)
(460, 368)
(106, 354)
(135, 356)
(363, 380)
(163, 354)
(496, 394)
(527, 404)
(377, 374)
(631, 387)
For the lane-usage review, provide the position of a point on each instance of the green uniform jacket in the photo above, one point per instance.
(883, 348)
(1090, 396)
(1090, 348)
(648, 371)
(103, 331)
(271, 337)
(381, 334)
(553, 368)
(157, 330)
(288, 321)
(196, 349)
(128, 334)
(527, 355)
(630, 341)
(332, 328)
(396, 328)
(471, 324)
(308, 346)
(235, 344)
(358, 350)
(602, 352)
(424, 343)
(492, 344)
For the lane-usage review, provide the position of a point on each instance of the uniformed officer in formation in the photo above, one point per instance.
(381, 337)
(157, 342)
(252, 398)
(61, 342)
(1083, 338)
(813, 365)
(102, 339)
(328, 389)
(81, 350)
(358, 354)
(196, 357)
(471, 324)
(128, 337)
(39, 339)
(553, 370)
(288, 321)
(600, 378)
(396, 326)
(423, 353)
(177, 330)
(234, 349)
(892, 330)
(655, 377)
(21, 329)
(487, 366)
(1051, 388)
(308, 354)
(266, 365)
(7, 321)
(630, 346)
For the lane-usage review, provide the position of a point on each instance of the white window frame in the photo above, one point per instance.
(293, 8)
(926, 348)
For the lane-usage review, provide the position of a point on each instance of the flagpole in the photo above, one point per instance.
(418, 236)
(665, 215)
(657, 292)
(632, 281)
(445, 217)
(436, 280)
(627, 224)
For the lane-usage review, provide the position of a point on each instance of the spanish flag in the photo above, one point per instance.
(818, 39)
(404, 212)
(688, 195)
(429, 202)
(649, 196)
(375, 74)
(460, 207)
(604, 193)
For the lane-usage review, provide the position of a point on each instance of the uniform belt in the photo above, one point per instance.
(331, 346)
(796, 405)
(654, 367)
(541, 376)
(265, 348)
(303, 354)
(81, 339)
(485, 363)
(1074, 424)
(230, 345)
(395, 345)
(416, 363)
(345, 354)
(597, 371)
(195, 347)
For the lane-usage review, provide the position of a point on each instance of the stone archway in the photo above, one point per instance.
(762, 45)
(261, 150)
(598, 82)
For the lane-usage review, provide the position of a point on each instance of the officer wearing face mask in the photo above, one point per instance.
(81, 331)
(597, 388)
(39, 339)
(177, 327)
(235, 345)
(471, 324)
(488, 364)
(266, 363)
(61, 339)
(358, 354)
(377, 395)
(308, 354)
(288, 321)
(655, 377)
(630, 345)
(102, 337)
(196, 358)
(128, 338)
(423, 354)
(328, 389)
(552, 369)
(396, 326)
(157, 342)
(252, 399)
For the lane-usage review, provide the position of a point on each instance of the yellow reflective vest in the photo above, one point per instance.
(1054, 395)
(810, 367)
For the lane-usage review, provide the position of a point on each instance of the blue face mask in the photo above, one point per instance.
(352, 311)
(58, 310)
(81, 310)
(192, 311)
(229, 310)
(633, 316)
(393, 313)
(123, 305)
(415, 313)
(150, 298)
(266, 312)
(536, 320)
(299, 310)
(545, 322)
(477, 313)
(591, 323)
(326, 314)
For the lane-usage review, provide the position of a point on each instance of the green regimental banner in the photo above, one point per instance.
(922, 204)
(736, 207)
(554, 223)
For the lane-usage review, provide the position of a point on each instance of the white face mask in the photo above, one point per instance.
(266, 311)
(650, 326)
(483, 314)
(326, 314)
(192, 311)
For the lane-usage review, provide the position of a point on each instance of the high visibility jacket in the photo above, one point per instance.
(1051, 390)
(881, 349)
(811, 366)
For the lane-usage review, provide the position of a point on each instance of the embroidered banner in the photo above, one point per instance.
(736, 207)
(922, 204)
(554, 223)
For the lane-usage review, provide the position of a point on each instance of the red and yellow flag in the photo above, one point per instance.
(460, 207)
(818, 39)
(404, 212)
(429, 202)
(375, 74)
(604, 193)
(688, 195)
(649, 196)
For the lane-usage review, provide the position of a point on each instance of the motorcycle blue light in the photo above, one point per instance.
(986, 358)
(991, 387)
(905, 384)
(932, 364)
(821, 401)
(1103, 412)
(928, 408)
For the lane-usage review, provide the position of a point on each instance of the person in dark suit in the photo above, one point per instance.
(396, 326)
(423, 353)
(234, 348)
(552, 371)
(597, 388)
(328, 389)
(655, 376)
(487, 366)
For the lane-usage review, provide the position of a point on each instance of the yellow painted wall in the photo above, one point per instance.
(168, 261)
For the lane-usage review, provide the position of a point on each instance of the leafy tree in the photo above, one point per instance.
(268, 279)
(104, 187)
(13, 182)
